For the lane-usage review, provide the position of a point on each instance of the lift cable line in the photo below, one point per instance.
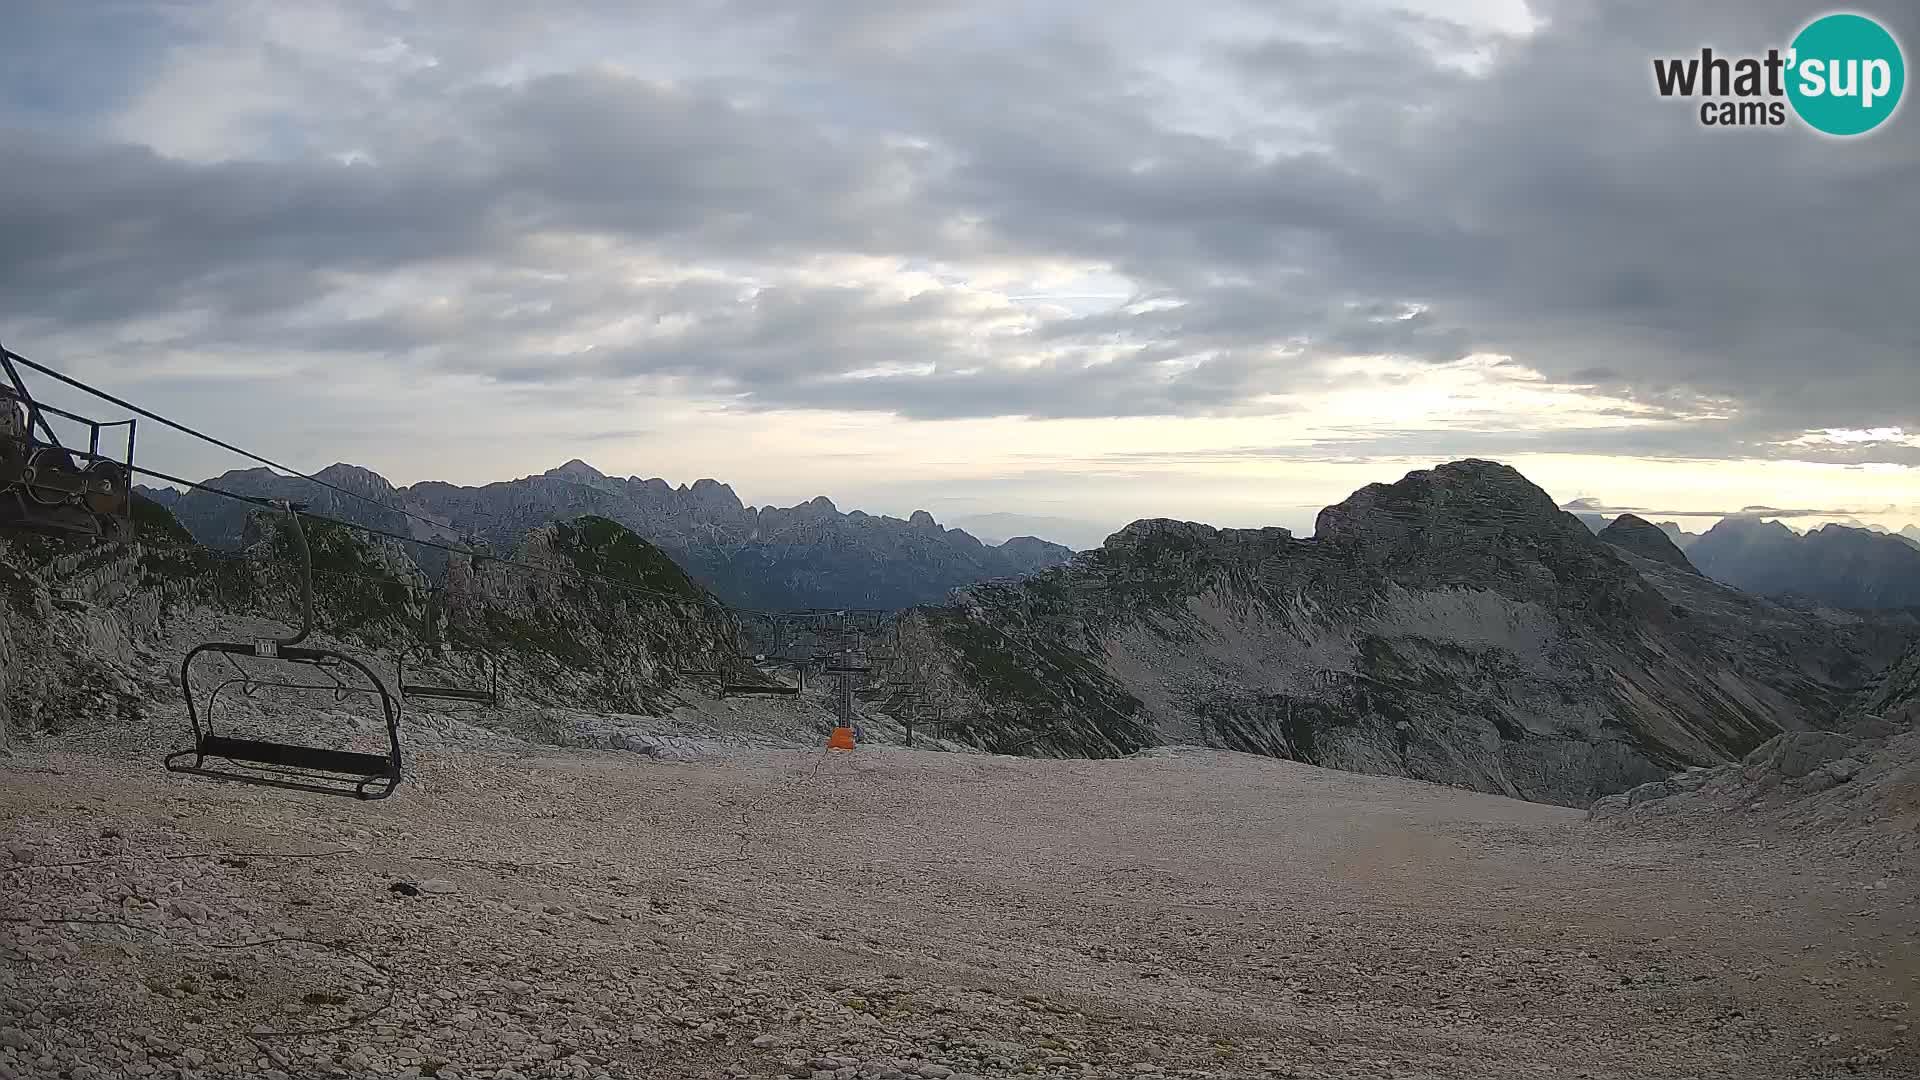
(223, 444)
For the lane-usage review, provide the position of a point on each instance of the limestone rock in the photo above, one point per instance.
(1609, 807)
(1794, 754)
(1658, 789)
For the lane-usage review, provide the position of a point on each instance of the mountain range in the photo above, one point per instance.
(1834, 564)
(809, 555)
(1841, 565)
(1454, 626)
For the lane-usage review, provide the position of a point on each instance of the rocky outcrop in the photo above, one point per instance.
(75, 618)
(1876, 757)
(1455, 626)
(611, 621)
(809, 555)
(1894, 695)
(1647, 540)
(1859, 782)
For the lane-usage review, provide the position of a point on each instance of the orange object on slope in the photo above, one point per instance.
(841, 739)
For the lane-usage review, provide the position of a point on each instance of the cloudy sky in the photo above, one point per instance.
(1083, 259)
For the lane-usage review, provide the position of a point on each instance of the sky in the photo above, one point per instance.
(1079, 261)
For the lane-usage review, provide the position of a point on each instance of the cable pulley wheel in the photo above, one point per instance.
(42, 462)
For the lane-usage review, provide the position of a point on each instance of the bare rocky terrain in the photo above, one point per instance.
(527, 911)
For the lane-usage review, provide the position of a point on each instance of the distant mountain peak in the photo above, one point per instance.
(342, 473)
(1467, 494)
(1631, 532)
(575, 470)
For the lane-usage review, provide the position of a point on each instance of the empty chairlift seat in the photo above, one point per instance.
(267, 671)
(435, 682)
(237, 691)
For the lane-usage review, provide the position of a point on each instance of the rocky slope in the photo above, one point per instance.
(73, 619)
(1837, 565)
(1455, 626)
(810, 555)
(1858, 783)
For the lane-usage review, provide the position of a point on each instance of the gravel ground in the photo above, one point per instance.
(894, 913)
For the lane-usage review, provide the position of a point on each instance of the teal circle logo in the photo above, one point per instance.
(1846, 74)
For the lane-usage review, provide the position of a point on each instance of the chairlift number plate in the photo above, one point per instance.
(266, 648)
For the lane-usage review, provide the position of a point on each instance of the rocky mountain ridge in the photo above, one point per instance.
(1455, 626)
(1835, 564)
(809, 555)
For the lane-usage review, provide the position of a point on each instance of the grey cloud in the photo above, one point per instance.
(1686, 440)
(1546, 205)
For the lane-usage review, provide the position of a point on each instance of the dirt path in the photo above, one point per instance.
(892, 913)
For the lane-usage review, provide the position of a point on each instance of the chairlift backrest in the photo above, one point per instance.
(283, 664)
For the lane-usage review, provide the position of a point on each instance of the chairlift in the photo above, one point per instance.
(53, 489)
(284, 665)
(488, 695)
(759, 689)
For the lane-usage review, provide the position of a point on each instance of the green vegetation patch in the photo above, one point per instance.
(608, 549)
(353, 588)
(539, 633)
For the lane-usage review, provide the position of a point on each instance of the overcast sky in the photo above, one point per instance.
(1087, 259)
